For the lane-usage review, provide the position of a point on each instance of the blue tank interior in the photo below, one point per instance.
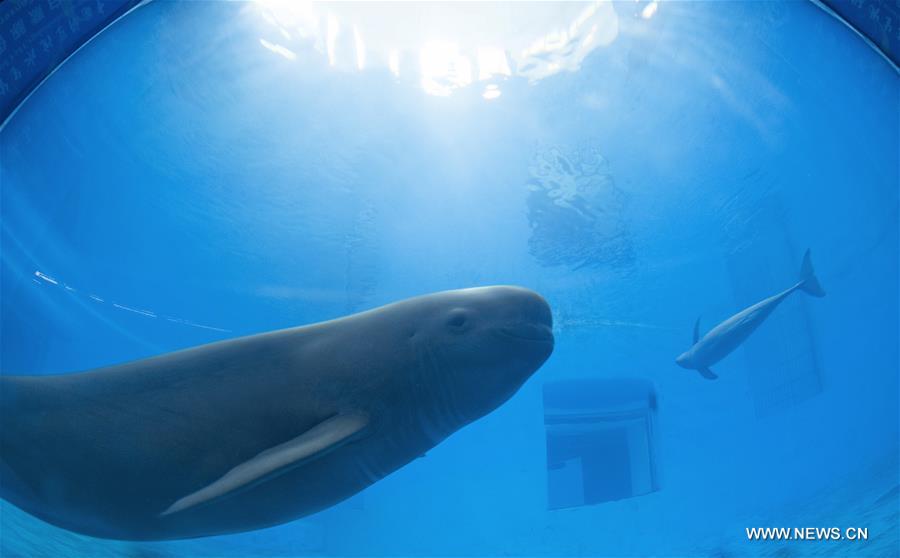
(191, 174)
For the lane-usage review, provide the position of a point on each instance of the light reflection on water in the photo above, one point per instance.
(443, 46)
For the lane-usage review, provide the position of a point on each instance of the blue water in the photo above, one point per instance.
(202, 171)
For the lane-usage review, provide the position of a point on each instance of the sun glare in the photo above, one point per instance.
(455, 46)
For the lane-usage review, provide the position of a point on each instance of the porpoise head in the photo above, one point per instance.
(685, 360)
(476, 347)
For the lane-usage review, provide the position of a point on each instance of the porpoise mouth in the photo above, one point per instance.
(539, 333)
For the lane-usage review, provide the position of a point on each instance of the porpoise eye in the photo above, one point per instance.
(457, 319)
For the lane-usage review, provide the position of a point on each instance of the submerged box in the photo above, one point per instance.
(601, 442)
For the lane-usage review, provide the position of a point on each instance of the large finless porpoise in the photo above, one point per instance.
(261, 430)
(725, 337)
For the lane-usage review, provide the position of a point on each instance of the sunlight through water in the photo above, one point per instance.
(449, 46)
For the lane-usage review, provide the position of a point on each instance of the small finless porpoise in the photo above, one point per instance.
(725, 337)
(261, 430)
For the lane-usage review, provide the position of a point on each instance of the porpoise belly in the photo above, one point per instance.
(720, 341)
(110, 466)
(300, 492)
(106, 462)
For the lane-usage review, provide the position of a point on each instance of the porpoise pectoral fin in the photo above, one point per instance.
(315, 442)
(697, 330)
(707, 373)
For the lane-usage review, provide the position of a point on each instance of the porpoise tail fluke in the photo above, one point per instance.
(809, 283)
